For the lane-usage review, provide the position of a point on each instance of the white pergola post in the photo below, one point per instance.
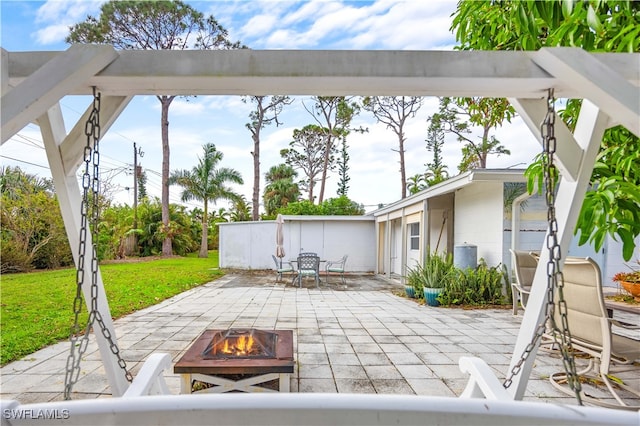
(66, 184)
(571, 192)
(575, 158)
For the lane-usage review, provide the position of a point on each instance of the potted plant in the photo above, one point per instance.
(630, 281)
(414, 281)
(437, 270)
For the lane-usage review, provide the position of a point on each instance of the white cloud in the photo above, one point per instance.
(57, 10)
(58, 15)
(284, 39)
(406, 25)
(52, 34)
(308, 11)
(259, 25)
(185, 107)
(350, 25)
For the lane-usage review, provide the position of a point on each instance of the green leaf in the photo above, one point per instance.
(598, 239)
(567, 8)
(609, 195)
(628, 247)
(593, 20)
(524, 19)
(615, 379)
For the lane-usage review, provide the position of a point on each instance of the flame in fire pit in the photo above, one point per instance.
(241, 344)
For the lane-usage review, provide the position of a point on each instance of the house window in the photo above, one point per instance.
(414, 236)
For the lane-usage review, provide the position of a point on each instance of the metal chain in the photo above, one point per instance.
(508, 381)
(555, 279)
(79, 344)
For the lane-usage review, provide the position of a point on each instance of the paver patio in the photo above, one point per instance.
(359, 338)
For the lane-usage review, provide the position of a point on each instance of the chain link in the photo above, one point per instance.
(90, 185)
(555, 279)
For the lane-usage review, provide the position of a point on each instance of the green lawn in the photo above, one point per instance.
(37, 307)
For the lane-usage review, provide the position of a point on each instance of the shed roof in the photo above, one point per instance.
(453, 184)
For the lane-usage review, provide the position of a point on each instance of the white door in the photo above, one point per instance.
(396, 247)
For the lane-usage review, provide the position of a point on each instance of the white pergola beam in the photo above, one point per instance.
(569, 154)
(596, 81)
(328, 73)
(48, 83)
(72, 149)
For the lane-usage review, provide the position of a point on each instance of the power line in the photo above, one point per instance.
(34, 143)
(29, 141)
(113, 132)
(26, 162)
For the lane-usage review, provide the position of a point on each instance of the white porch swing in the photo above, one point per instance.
(33, 83)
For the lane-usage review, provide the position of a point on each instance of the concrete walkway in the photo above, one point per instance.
(362, 338)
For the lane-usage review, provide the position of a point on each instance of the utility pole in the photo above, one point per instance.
(136, 175)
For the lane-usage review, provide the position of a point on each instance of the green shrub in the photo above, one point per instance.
(13, 258)
(480, 286)
(332, 207)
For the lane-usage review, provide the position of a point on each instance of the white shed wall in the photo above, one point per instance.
(249, 245)
(479, 219)
(533, 227)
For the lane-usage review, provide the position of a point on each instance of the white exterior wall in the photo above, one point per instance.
(533, 227)
(479, 219)
(250, 245)
(439, 237)
(247, 245)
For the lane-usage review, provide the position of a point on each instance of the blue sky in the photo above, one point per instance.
(374, 167)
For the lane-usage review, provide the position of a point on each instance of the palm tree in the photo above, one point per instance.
(241, 211)
(205, 182)
(14, 181)
(416, 183)
(222, 215)
(280, 188)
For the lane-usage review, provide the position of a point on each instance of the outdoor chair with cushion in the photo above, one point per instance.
(282, 267)
(308, 266)
(336, 267)
(590, 329)
(524, 265)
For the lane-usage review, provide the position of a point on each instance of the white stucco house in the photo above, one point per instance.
(466, 211)
(471, 209)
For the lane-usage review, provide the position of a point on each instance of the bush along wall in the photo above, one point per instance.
(480, 286)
